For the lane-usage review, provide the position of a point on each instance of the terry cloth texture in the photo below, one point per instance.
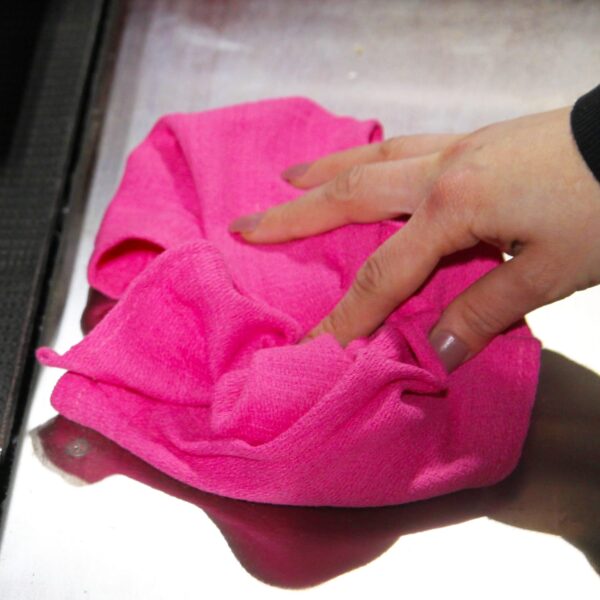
(197, 369)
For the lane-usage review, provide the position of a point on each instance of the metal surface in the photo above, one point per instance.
(435, 66)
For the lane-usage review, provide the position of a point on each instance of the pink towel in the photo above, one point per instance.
(197, 371)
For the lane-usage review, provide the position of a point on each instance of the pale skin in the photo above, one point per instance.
(520, 185)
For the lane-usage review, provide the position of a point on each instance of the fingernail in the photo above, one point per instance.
(246, 223)
(295, 171)
(451, 350)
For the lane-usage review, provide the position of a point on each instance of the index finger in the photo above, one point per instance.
(309, 175)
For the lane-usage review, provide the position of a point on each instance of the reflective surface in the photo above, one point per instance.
(86, 519)
(554, 490)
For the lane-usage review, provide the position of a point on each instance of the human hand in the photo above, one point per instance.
(520, 185)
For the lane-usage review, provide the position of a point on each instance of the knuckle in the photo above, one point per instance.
(457, 149)
(346, 187)
(455, 189)
(390, 148)
(481, 319)
(370, 277)
(541, 285)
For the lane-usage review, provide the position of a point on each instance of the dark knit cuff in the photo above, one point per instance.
(585, 124)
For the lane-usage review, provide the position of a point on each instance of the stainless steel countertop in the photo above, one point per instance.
(104, 529)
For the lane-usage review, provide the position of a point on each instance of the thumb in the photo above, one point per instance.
(489, 306)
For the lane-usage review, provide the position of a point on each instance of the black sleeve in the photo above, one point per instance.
(585, 125)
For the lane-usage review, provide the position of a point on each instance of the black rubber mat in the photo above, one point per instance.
(48, 55)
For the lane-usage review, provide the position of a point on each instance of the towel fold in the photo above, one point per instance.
(196, 369)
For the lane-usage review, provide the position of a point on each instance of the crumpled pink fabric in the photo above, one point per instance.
(197, 371)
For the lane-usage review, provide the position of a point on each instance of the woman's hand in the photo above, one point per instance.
(520, 185)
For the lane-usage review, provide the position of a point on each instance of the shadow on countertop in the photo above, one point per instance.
(555, 489)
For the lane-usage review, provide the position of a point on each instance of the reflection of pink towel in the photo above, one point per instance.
(197, 371)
